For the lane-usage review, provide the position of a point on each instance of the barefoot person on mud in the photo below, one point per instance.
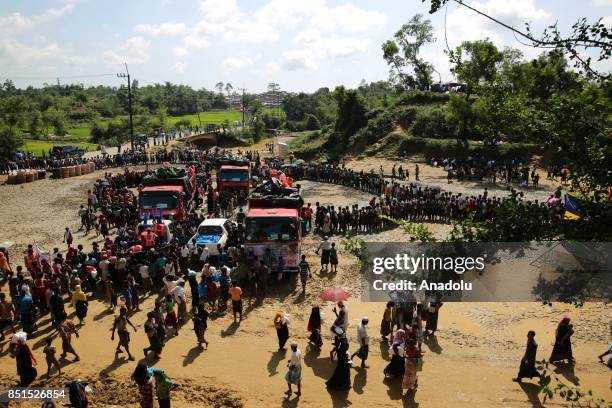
(66, 329)
(120, 325)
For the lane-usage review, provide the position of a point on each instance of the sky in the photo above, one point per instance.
(300, 44)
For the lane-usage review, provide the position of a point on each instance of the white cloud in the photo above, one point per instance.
(607, 21)
(273, 67)
(180, 52)
(15, 22)
(232, 63)
(169, 29)
(601, 3)
(179, 67)
(216, 10)
(295, 60)
(349, 18)
(464, 24)
(332, 46)
(14, 53)
(225, 19)
(133, 51)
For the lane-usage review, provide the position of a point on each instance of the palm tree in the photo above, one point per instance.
(219, 87)
(229, 88)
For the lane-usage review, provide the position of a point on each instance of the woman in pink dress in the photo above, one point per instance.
(412, 354)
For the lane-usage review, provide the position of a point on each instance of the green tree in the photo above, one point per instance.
(402, 53)
(351, 113)
(162, 117)
(9, 142)
(312, 122)
(35, 123)
(475, 64)
(12, 112)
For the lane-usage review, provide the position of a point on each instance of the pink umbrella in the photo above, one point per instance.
(334, 295)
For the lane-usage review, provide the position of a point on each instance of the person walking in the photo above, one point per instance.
(387, 321)
(7, 314)
(24, 358)
(432, 318)
(341, 377)
(142, 376)
(305, 272)
(155, 343)
(120, 325)
(79, 302)
(66, 329)
(396, 365)
(163, 386)
(562, 349)
(200, 324)
(235, 293)
(294, 370)
(411, 357)
(314, 327)
(325, 249)
(528, 362)
(333, 258)
(281, 321)
(50, 357)
(364, 341)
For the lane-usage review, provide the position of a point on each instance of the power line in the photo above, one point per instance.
(25, 78)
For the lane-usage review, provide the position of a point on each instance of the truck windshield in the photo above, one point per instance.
(151, 200)
(210, 230)
(234, 175)
(271, 229)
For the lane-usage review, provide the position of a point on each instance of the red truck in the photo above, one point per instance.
(234, 179)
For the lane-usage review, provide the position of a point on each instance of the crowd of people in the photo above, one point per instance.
(192, 283)
(403, 201)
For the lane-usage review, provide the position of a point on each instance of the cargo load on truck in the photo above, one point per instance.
(272, 194)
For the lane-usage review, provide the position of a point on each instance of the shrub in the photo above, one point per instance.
(312, 123)
(404, 115)
(418, 97)
(430, 123)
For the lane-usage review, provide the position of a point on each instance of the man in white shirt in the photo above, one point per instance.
(294, 372)
(178, 293)
(205, 254)
(104, 263)
(364, 342)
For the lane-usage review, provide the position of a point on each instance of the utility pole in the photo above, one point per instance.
(129, 83)
(243, 107)
(198, 110)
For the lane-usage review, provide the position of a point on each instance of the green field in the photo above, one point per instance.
(80, 132)
(38, 147)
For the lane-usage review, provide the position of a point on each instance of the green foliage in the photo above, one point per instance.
(551, 386)
(402, 53)
(430, 123)
(380, 123)
(404, 115)
(351, 113)
(182, 123)
(259, 128)
(35, 123)
(415, 231)
(312, 123)
(475, 63)
(162, 117)
(420, 97)
(353, 246)
(9, 142)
